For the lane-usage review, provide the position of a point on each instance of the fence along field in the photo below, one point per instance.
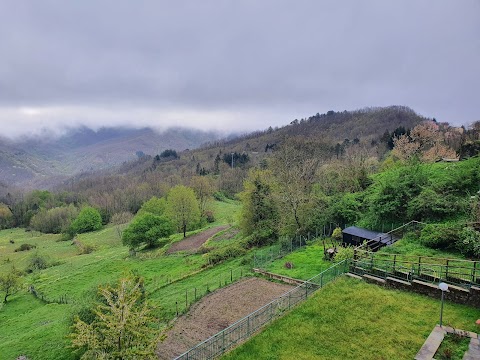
(241, 330)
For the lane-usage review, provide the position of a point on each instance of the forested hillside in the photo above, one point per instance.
(45, 160)
(228, 199)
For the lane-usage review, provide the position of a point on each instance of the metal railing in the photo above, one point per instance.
(241, 330)
(390, 237)
(463, 273)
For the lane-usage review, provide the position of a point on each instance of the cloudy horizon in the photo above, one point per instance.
(232, 65)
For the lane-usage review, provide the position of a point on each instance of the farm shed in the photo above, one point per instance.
(356, 236)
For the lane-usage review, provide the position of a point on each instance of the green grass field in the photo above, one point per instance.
(307, 262)
(37, 329)
(350, 319)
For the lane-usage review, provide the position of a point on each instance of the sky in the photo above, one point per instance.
(232, 65)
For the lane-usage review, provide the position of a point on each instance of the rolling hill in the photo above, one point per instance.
(42, 162)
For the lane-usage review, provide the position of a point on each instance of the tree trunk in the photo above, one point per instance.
(184, 230)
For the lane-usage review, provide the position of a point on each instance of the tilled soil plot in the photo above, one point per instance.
(192, 243)
(217, 311)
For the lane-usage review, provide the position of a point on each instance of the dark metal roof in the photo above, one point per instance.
(363, 233)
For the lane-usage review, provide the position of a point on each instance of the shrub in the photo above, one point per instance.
(219, 196)
(89, 219)
(469, 242)
(229, 252)
(337, 233)
(83, 248)
(440, 236)
(344, 253)
(25, 247)
(209, 216)
(37, 262)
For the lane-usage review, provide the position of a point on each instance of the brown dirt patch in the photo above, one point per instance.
(192, 243)
(217, 311)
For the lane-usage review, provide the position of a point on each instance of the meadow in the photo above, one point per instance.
(38, 329)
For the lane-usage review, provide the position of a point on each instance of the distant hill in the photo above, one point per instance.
(44, 163)
(39, 162)
(364, 125)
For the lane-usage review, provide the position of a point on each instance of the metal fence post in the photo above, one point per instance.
(474, 272)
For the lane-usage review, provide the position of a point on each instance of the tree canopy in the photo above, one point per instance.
(122, 326)
(89, 219)
(183, 208)
(146, 228)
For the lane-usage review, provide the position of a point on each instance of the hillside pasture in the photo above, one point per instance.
(38, 329)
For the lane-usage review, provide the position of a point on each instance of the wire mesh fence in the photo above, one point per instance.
(287, 244)
(180, 298)
(247, 326)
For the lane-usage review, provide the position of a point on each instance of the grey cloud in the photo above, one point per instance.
(271, 58)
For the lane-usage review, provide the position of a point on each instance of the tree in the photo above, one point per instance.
(426, 140)
(55, 220)
(146, 228)
(294, 165)
(259, 215)
(89, 219)
(154, 206)
(204, 189)
(10, 283)
(122, 325)
(6, 217)
(182, 208)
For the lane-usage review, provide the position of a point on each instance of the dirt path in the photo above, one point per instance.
(217, 311)
(193, 242)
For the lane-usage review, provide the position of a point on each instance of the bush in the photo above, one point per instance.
(37, 262)
(219, 196)
(344, 253)
(89, 219)
(469, 242)
(83, 248)
(228, 252)
(440, 236)
(337, 233)
(25, 247)
(209, 216)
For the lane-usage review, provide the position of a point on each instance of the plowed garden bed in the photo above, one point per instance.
(217, 311)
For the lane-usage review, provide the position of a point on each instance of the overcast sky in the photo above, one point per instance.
(233, 65)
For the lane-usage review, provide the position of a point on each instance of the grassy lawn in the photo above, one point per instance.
(410, 245)
(38, 330)
(350, 319)
(307, 262)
